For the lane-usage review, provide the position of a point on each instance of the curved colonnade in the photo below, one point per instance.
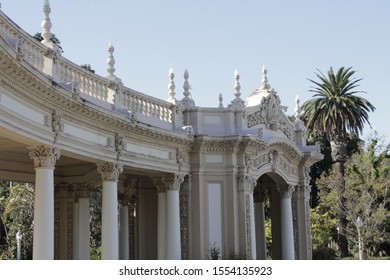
(184, 177)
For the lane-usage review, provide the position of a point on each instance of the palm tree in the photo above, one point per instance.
(337, 113)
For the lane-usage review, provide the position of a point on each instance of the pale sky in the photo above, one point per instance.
(212, 38)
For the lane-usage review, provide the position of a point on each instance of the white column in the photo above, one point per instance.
(160, 185)
(252, 226)
(162, 225)
(81, 225)
(287, 222)
(261, 241)
(110, 173)
(43, 237)
(124, 232)
(76, 230)
(83, 229)
(173, 217)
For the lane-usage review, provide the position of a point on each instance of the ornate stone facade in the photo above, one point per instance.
(207, 162)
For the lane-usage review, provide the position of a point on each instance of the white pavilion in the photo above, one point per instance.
(176, 178)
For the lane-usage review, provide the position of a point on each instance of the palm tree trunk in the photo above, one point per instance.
(342, 232)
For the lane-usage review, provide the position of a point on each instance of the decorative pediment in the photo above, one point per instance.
(275, 159)
(270, 113)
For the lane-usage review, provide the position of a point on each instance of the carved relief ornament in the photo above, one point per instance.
(110, 171)
(247, 183)
(44, 156)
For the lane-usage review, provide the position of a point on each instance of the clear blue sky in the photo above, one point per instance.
(211, 38)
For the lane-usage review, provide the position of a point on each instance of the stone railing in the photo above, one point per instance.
(33, 52)
(64, 71)
(147, 105)
(87, 82)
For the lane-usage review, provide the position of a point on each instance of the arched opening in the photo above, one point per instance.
(273, 218)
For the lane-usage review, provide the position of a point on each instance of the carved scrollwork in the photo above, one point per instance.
(21, 51)
(44, 156)
(286, 191)
(119, 145)
(110, 171)
(247, 183)
(273, 159)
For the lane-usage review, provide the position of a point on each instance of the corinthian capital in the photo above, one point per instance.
(44, 156)
(159, 183)
(247, 183)
(173, 181)
(286, 191)
(110, 171)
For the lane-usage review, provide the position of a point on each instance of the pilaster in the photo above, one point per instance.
(246, 186)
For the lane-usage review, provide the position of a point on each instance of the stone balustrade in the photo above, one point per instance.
(87, 82)
(32, 51)
(147, 105)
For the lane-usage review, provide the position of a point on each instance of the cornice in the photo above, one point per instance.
(216, 145)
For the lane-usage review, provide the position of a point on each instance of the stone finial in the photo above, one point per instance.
(237, 103)
(186, 85)
(237, 86)
(46, 23)
(297, 107)
(220, 101)
(111, 61)
(187, 100)
(264, 81)
(171, 86)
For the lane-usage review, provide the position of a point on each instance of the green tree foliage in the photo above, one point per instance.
(4, 193)
(87, 67)
(18, 215)
(96, 222)
(54, 39)
(367, 195)
(335, 112)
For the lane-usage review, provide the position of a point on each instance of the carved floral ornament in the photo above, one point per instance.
(206, 145)
(270, 113)
(44, 156)
(274, 159)
(57, 126)
(286, 191)
(247, 183)
(110, 171)
(170, 182)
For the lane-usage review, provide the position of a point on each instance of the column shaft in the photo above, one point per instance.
(124, 233)
(83, 229)
(173, 225)
(162, 225)
(252, 226)
(261, 241)
(109, 221)
(43, 243)
(287, 229)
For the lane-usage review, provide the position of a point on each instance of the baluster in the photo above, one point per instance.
(155, 110)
